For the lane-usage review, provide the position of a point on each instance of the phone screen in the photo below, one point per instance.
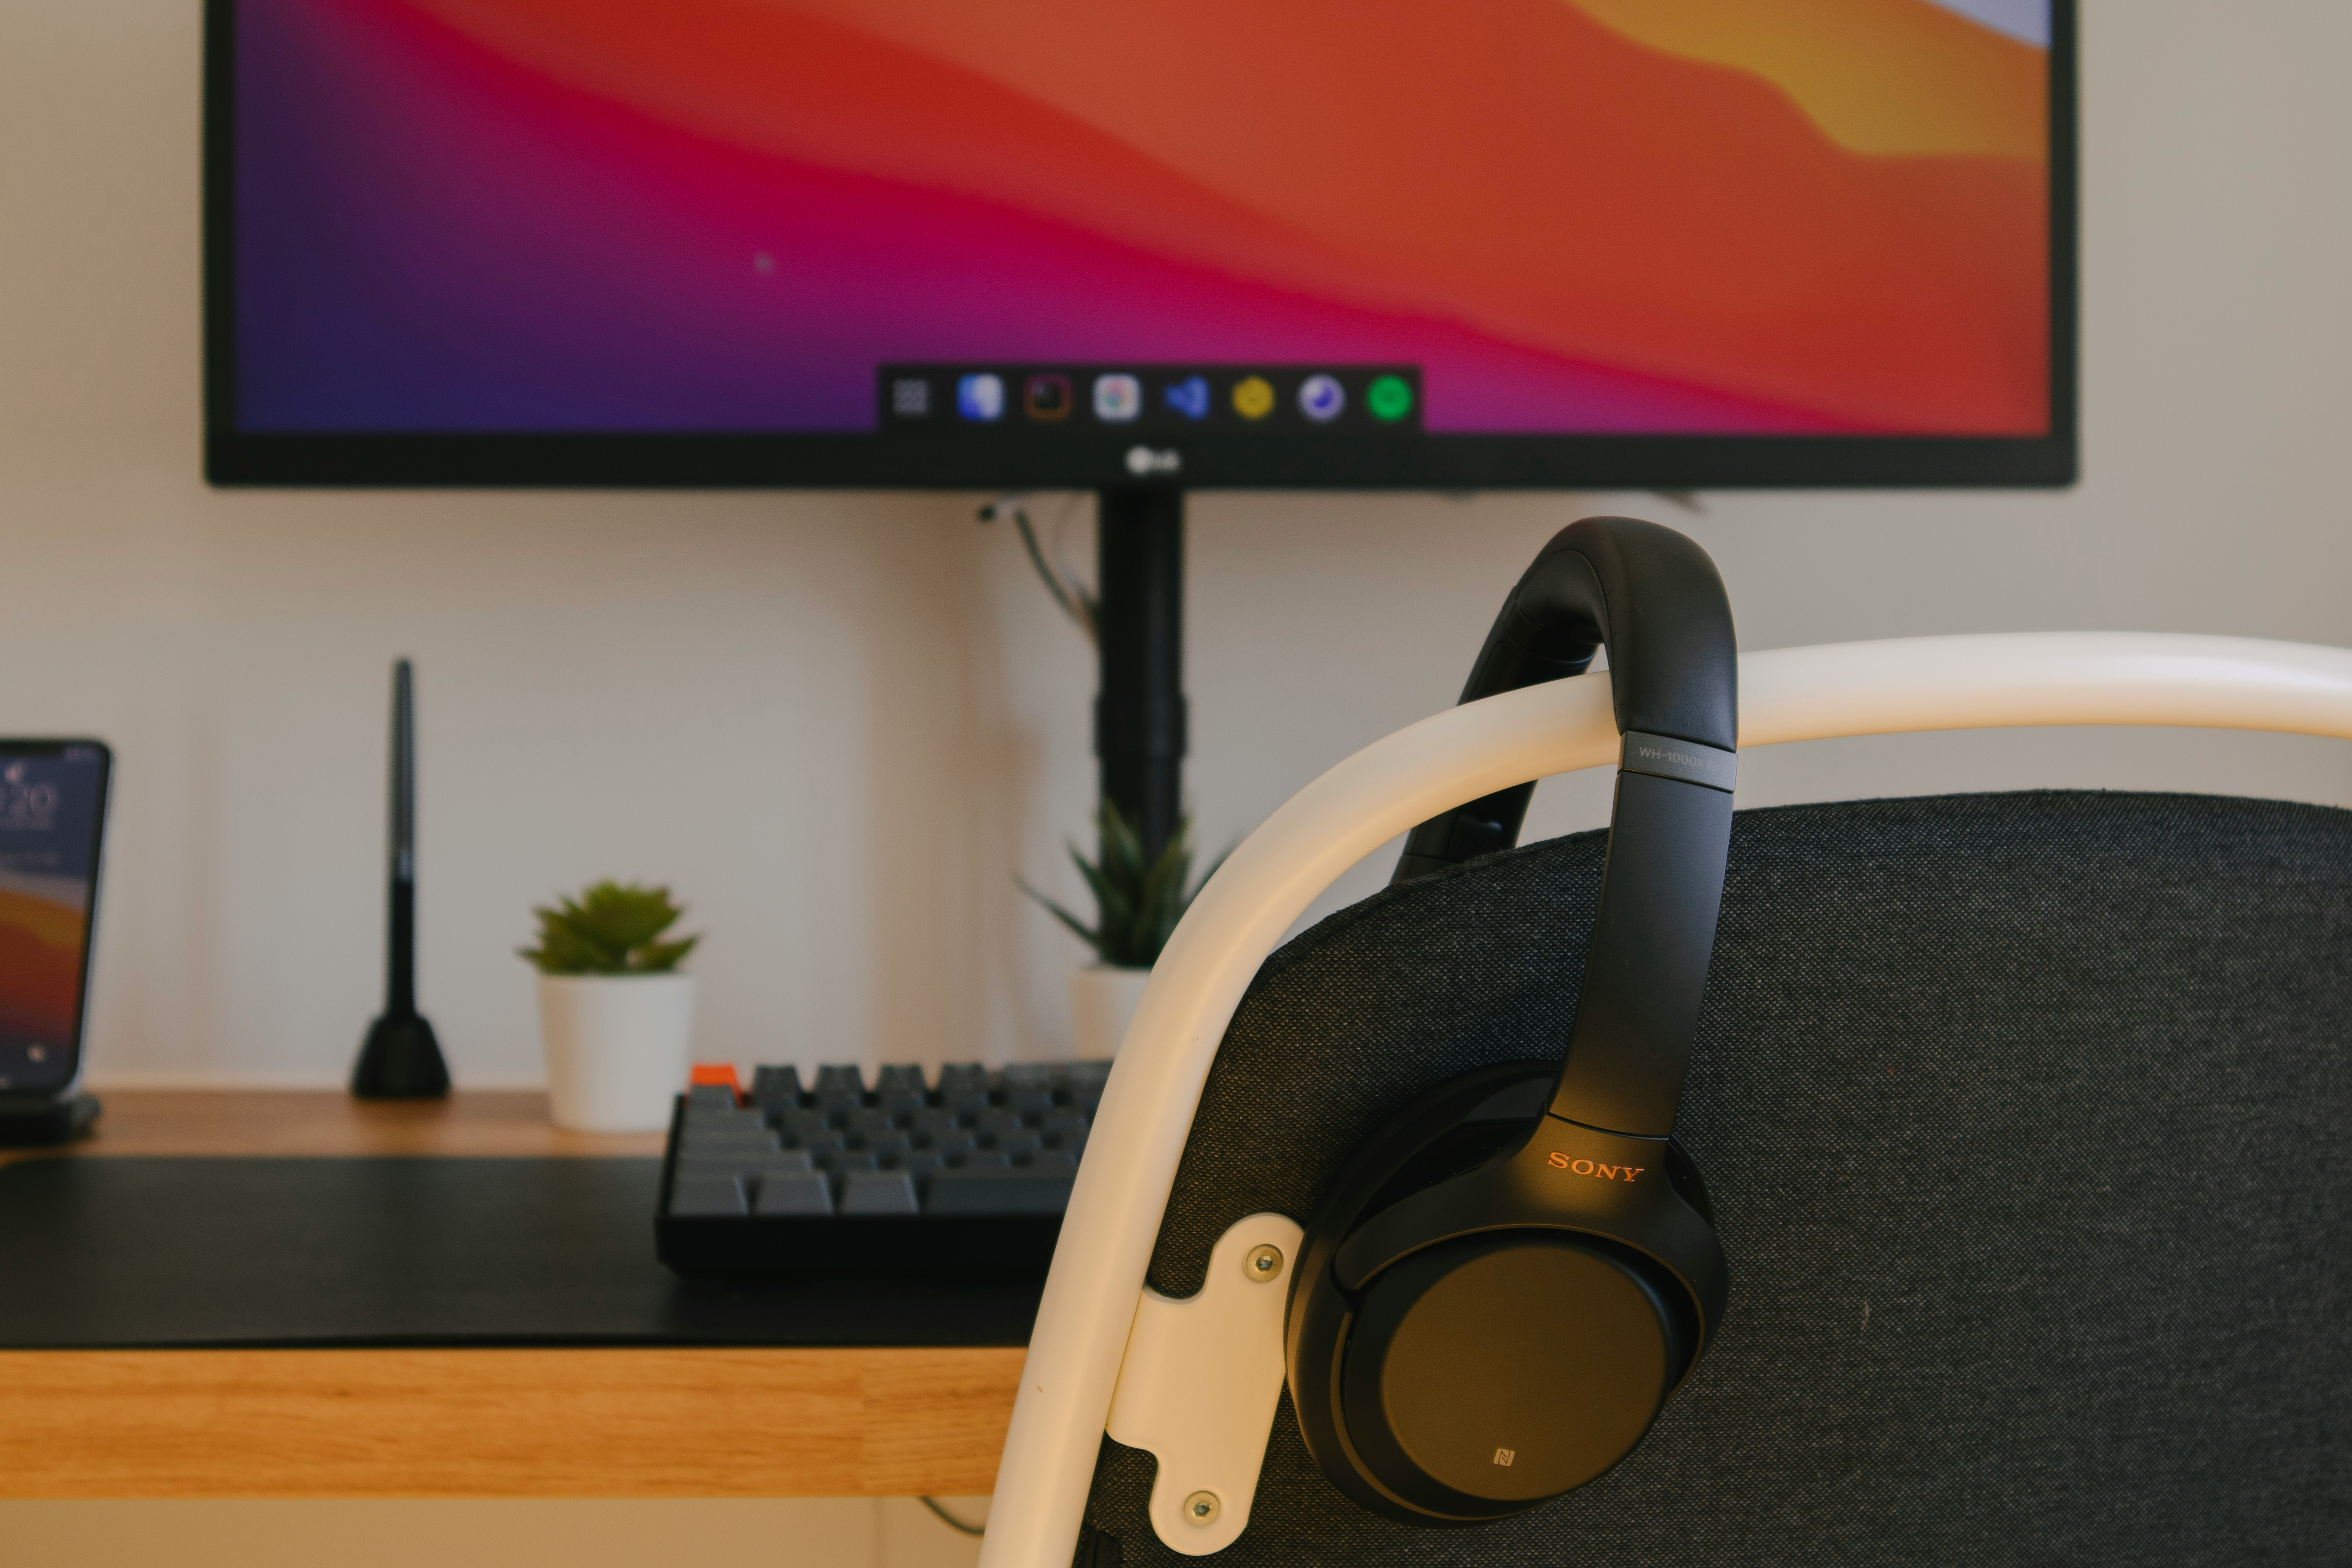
(52, 812)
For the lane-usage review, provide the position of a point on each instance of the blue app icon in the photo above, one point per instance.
(981, 397)
(1189, 396)
(1321, 398)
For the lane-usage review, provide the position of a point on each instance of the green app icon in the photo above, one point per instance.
(1389, 399)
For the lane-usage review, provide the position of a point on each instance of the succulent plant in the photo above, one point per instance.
(1139, 898)
(613, 927)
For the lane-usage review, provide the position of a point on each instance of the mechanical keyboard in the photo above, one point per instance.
(967, 1176)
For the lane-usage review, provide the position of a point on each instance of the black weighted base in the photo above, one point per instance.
(400, 1060)
(27, 1120)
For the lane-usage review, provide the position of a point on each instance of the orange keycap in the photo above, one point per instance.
(719, 1073)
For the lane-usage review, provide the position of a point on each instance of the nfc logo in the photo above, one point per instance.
(1504, 1457)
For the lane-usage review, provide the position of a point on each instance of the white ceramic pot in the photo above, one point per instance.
(1102, 1003)
(617, 1049)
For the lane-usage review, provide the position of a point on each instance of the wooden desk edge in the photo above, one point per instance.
(478, 1123)
(618, 1422)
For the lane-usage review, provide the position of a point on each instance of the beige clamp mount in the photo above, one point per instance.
(1201, 1380)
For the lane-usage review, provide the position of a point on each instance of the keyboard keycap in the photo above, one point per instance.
(1029, 1087)
(804, 1124)
(971, 1191)
(776, 1089)
(713, 1096)
(839, 1087)
(794, 1193)
(747, 1139)
(900, 1089)
(774, 1160)
(706, 1125)
(705, 1113)
(693, 1166)
(963, 1088)
(706, 1195)
(877, 1191)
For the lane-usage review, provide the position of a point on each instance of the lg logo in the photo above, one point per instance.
(1591, 1168)
(1142, 460)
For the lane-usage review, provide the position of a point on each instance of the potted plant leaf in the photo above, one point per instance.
(1138, 899)
(615, 1012)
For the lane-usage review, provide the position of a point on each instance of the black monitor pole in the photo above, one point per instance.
(1140, 628)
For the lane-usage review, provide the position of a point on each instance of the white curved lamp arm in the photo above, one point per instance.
(1789, 694)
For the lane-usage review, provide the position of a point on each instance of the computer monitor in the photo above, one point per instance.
(1070, 244)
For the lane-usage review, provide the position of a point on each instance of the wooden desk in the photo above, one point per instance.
(630, 1422)
(277, 1121)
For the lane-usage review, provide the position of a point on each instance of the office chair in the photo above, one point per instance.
(2021, 1118)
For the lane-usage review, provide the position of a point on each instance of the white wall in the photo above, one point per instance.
(840, 724)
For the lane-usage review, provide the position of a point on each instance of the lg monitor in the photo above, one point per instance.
(1068, 243)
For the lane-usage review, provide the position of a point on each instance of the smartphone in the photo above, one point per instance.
(52, 819)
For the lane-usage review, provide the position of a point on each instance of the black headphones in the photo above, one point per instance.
(1500, 1292)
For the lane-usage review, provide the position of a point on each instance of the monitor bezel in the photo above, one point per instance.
(1079, 460)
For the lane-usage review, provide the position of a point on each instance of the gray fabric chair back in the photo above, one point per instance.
(2027, 1120)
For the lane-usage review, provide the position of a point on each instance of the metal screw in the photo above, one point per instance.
(1202, 1508)
(1264, 1263)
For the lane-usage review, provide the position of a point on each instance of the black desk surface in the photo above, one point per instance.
(156, 1251)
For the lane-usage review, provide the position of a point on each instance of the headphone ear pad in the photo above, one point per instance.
(1506, 1368)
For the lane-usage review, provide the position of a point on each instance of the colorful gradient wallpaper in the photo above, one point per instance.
(1672, 216)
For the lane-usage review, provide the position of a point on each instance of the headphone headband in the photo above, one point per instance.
(1654, 600)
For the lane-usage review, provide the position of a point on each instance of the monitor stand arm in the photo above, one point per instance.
(1140, 716)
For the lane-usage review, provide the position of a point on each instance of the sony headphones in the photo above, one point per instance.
(1502, 1288)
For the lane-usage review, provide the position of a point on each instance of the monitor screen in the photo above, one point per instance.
(983, 242)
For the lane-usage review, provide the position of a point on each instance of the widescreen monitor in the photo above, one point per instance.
(1067, 242)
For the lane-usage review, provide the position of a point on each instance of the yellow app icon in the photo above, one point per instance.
(1253, 397)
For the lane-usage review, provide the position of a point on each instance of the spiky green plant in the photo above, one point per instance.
(1139, 898)
(610, 929)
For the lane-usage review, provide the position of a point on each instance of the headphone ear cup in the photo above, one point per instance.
(1457, 1124)
(1485, 1374)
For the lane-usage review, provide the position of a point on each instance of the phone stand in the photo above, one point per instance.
(30, 1120)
